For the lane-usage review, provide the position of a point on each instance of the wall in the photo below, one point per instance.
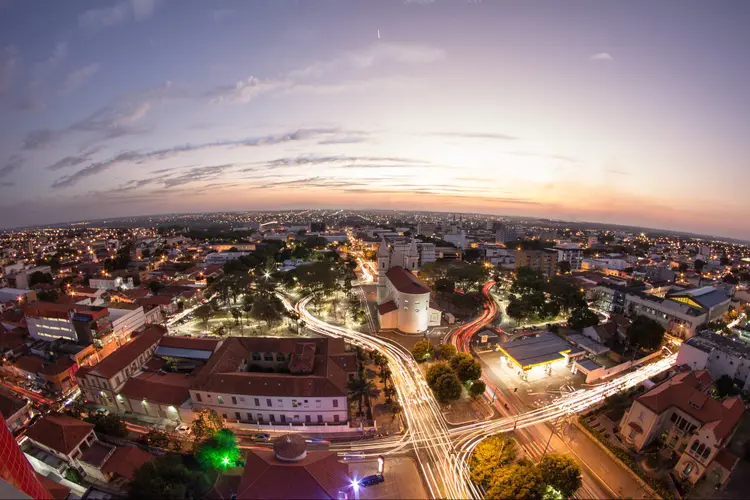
(49, 329)
(692, 356)
(124, 325)
(603, 372)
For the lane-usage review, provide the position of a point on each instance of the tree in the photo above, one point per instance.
(203, 313)
(167, 478)
(447, 387)
(47, 295)
(40, 277)
(517, 310)
(155, 287)
(267, 308)
(360, 388)
(435, 371)
(422, 350)
(477, 388)
(206, 423)
(682, 267)
(645, 332)
(446, 351)
(489, 456)
(444, 286)
(561, 473)
(219, 451)
(236, 314)
(517, 481)
(724, 386)
(108, 424)
(157, 438)
(698, 265)
(465, 367)
(563, 266)
(582, 317)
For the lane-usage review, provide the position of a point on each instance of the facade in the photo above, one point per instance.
(695, 426)
(708, 299)
(16, 411)
(125, 321)
(114, 283)
(100, 383)
(539, 260)
(504, 233)
(718, 355)
(223, 257)
(679, 319)
(499, 256)
(570, 252)
(308, 386)
(47, 321)
(403, 301)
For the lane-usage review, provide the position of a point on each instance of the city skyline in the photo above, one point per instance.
(608, 113)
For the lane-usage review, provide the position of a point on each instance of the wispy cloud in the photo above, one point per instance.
(478, 135)
(141, 157)
(14, 163)
(73, 160)
(8, 67)
(601, 56)
(78, 78)
(121, 12)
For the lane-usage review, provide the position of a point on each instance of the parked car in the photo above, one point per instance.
(371, 480)
(183, 429)
(262, 436)
(102, 411)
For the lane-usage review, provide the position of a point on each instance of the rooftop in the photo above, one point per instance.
(707, 341)
(96, 454)
(59, 432)
(687, 391)
(125, 461)
(163, 388)
(533, 350)
(10, 404)
(122, 357)
(405, 282)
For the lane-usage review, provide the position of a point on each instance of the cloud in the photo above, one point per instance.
(601, 56)
(8, 67)
(119, 13)
(14, 163)
(78, 78)
(139, 157)
(73, 161)
(59, 54)
(37, 139)
(478, 135)
(245, 91)
(348, 160)
(343, 140)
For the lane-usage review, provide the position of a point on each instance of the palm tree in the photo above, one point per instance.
(385, 372)
(360, 388)
(396, 409)
(389, 392)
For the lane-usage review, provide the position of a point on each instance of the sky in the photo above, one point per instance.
(621, 112)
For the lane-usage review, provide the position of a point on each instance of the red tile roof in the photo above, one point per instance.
(161, 388)
(726, 459)
(159, 300)
(318, 475)
(12, 340)
(10, 404)
(57, 490)
(31, 364)
(387, 307)
(125, 461)
(686, 391)
(189, 343)
(126, 354)
(59, 432)
(405, 282)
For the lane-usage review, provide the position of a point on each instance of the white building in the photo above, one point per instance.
(570, 252)
(223, 257)
(126, 321)
(456, 237)
(114, 283)
(719, 355)
(403, 301)
(82, 324)
(399, 249)
(312, 388)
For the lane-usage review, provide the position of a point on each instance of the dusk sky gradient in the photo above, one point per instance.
(631, 112)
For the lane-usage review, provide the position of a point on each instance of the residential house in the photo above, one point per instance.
(16, 411)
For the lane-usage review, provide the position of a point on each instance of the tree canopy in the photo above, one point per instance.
(645, 332)
(422, 350)
(489, 456)
(465, 367)
(220, 451)
(517, 481)
(582, 317)
(206, 423)
(447, 387)
(446, 351)
(436, 371)
(561, 473)
(167, 478)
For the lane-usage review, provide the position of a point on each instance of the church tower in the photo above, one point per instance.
(412, 256)
(384, 263)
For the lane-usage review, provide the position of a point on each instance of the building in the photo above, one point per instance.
(708, 299)
(404, 302)
(499, 255)
(695, 426)
(21, 279)
(456, 237)
(718, 355)
(17, 476)
(82, 324)
(426, 229)
(126, 320)
(570, 252)
(101, 383)
(113, 283)
(504, 233)
(539, 260)
(16, 411)
(277, 381)
(535, 355)
(679, 319)
(18, 296)
(287, 471)
(223, 257)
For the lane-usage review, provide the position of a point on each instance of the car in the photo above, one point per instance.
(182, 429)
(262, 436)
(102, 411)
(354, 455)
(371, 480)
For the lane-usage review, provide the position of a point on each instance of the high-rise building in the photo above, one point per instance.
(15, 469)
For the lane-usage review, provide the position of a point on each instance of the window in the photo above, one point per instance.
(272, 417)
(256, 356)
(234, 400)
(336, 418)
(237, 414)
(308, 419)
(283, 418)
(249, 416)
(320, 419)
(268, 357)
(220, 400)
(198, 397)
(317, 403)
(268, 402)
(280, 357)
(335, 403)
(706, 453)
(225, 416)
(260, 417)
(257, 402)
(295, 403)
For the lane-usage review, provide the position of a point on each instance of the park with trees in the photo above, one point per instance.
(451, 374)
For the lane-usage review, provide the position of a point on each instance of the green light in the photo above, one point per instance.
(225, 461)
